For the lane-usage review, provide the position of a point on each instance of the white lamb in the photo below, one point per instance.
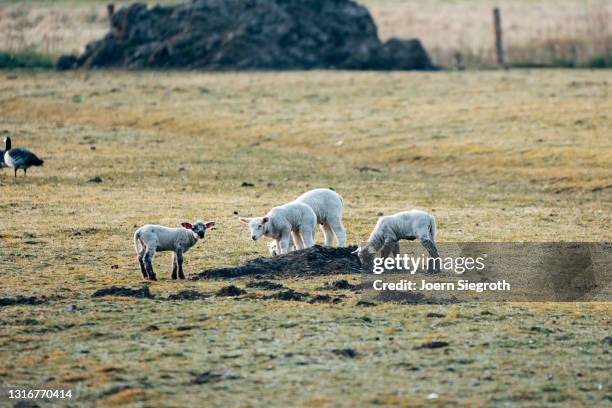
(390, 229)
(294, 219)
(327, 206)
(151, 238)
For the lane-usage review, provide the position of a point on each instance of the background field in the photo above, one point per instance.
(456, 33)
(495, 156)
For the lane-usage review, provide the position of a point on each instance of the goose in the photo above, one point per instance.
(19, 158)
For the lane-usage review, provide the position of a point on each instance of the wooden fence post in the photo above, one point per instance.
(110, 8)
(499, 45)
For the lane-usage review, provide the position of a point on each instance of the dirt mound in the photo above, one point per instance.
(248, 34)
(341, 284)
(211, 377)
(348, 352)
(363, 303)
(26, 300)
(411, 298)
(188, 295)
(325, 299)
(230, 290)
(142, 292)
(432, 345)
(289, 294)
(265, 285)
(316, 260)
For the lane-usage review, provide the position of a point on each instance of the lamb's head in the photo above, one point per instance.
(199, 227)
(258, 225)
(366, 254)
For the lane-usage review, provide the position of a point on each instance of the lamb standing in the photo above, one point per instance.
(327, 206)
(151, 238)
(390, 229)
(294, 219)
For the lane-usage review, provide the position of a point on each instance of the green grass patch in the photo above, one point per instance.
(9, 60)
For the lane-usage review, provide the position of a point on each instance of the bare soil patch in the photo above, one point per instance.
(123, 291)
(265, 285)
(317, 260)
(26, 300)
(230, 290)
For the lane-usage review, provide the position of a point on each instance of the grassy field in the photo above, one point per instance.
(543, 32)
(495, 156)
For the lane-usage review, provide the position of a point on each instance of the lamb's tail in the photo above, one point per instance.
(339, 196)
(137, 243)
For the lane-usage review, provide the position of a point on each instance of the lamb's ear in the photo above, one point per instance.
(187, 225)
(244, 220)
(265, 219)
(209, 224)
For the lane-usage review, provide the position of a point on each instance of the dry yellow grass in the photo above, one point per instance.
(535, 32)
(495, 156)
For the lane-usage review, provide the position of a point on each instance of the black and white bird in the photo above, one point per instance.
(19, 158)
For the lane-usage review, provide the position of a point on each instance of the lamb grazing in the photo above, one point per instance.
(294, 219)
(19, 158)
(151, 238)
(327, 206)
(390, 229)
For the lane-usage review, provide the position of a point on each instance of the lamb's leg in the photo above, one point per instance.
(140, 258)
(328, 233)
(278, 247)
(391, 248)
(141, 249)
(284, 243)
(431, 248)
(142, 267)
(396, 249)
(149, 263)
(291, 244)
(307, 235)
(179, 263)
(174, 266)
(339, 231)
(297, 240)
